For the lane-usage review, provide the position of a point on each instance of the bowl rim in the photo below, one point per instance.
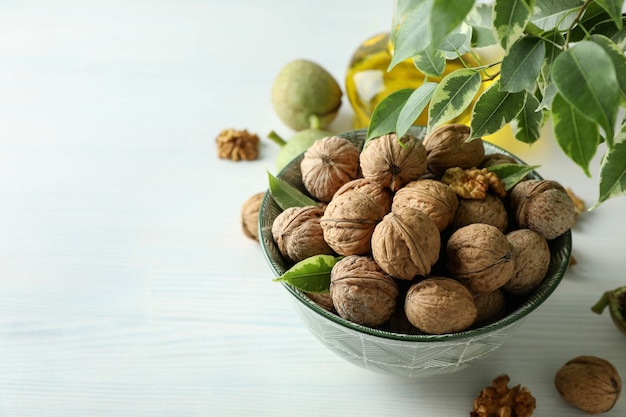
(560, 253)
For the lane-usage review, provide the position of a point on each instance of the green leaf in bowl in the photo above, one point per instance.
(311, 274)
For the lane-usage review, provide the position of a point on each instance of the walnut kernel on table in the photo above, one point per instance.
(498, 400)
(237, 145)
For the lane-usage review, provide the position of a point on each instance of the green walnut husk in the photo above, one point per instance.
(616, 301)
(305, 95)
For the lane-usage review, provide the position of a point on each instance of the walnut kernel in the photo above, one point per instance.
(237, 145)
(473, 183)
(498, 400)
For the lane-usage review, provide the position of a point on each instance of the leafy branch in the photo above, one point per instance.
(562, 60)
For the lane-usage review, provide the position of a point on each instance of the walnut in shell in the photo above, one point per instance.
(589, 383)
(543, 206)
(406, 243)
(480, 255)
(439, 305)
(349, 221)
(298, 233)
(490, 210)
(364, 185)
(327, 165)
(392, 164)
(361, 291)
(250, 215)
(491, 306)
(531, 256)
(432, 197)
(446, 147)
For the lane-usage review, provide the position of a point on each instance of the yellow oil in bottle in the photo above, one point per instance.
(368, 82)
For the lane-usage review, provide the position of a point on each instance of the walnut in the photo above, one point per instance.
(543, 206)
(237, 145)
(349, 221)
(473, 183)
(322, 299)
(491, 306)
(298, 233)
(446, 147)
(589, 383)
(439, 305)
(531, 256)
(432, 197)
(364, 185)
(480, 256)
(250, 215)
(497, 159)
(393, 162)
(406, 243)
(498, 400)
(361, 291)
(327, 165)
(490, 210)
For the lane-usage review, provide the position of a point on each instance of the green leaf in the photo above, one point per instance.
(480, 19)
(509, 20)
(445, 16)
(522, 64)
(613, 171)
(550, 14)
(527, 124)
(577, 136)
(614, 9)
(458, 42)
(548, 95)
(453, 95)
(431, 62)
(286, 195)
(619, 37)
(511, 174)
(494, 109)
(385, 116)
(585, 77)
(414, 106)
(617, 56)
(311, 274)
(413, 36)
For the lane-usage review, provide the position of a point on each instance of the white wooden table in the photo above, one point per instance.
(126, 285)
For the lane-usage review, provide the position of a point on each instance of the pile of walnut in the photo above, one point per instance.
(432, 242)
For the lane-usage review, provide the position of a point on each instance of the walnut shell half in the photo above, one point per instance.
(406, 243)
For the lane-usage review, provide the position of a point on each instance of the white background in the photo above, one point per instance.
(126, 285)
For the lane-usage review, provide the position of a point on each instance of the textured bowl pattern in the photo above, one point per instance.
(397, 353)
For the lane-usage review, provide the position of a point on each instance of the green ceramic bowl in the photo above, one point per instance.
(397, 353)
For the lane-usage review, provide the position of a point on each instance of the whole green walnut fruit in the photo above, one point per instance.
(305, 95)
